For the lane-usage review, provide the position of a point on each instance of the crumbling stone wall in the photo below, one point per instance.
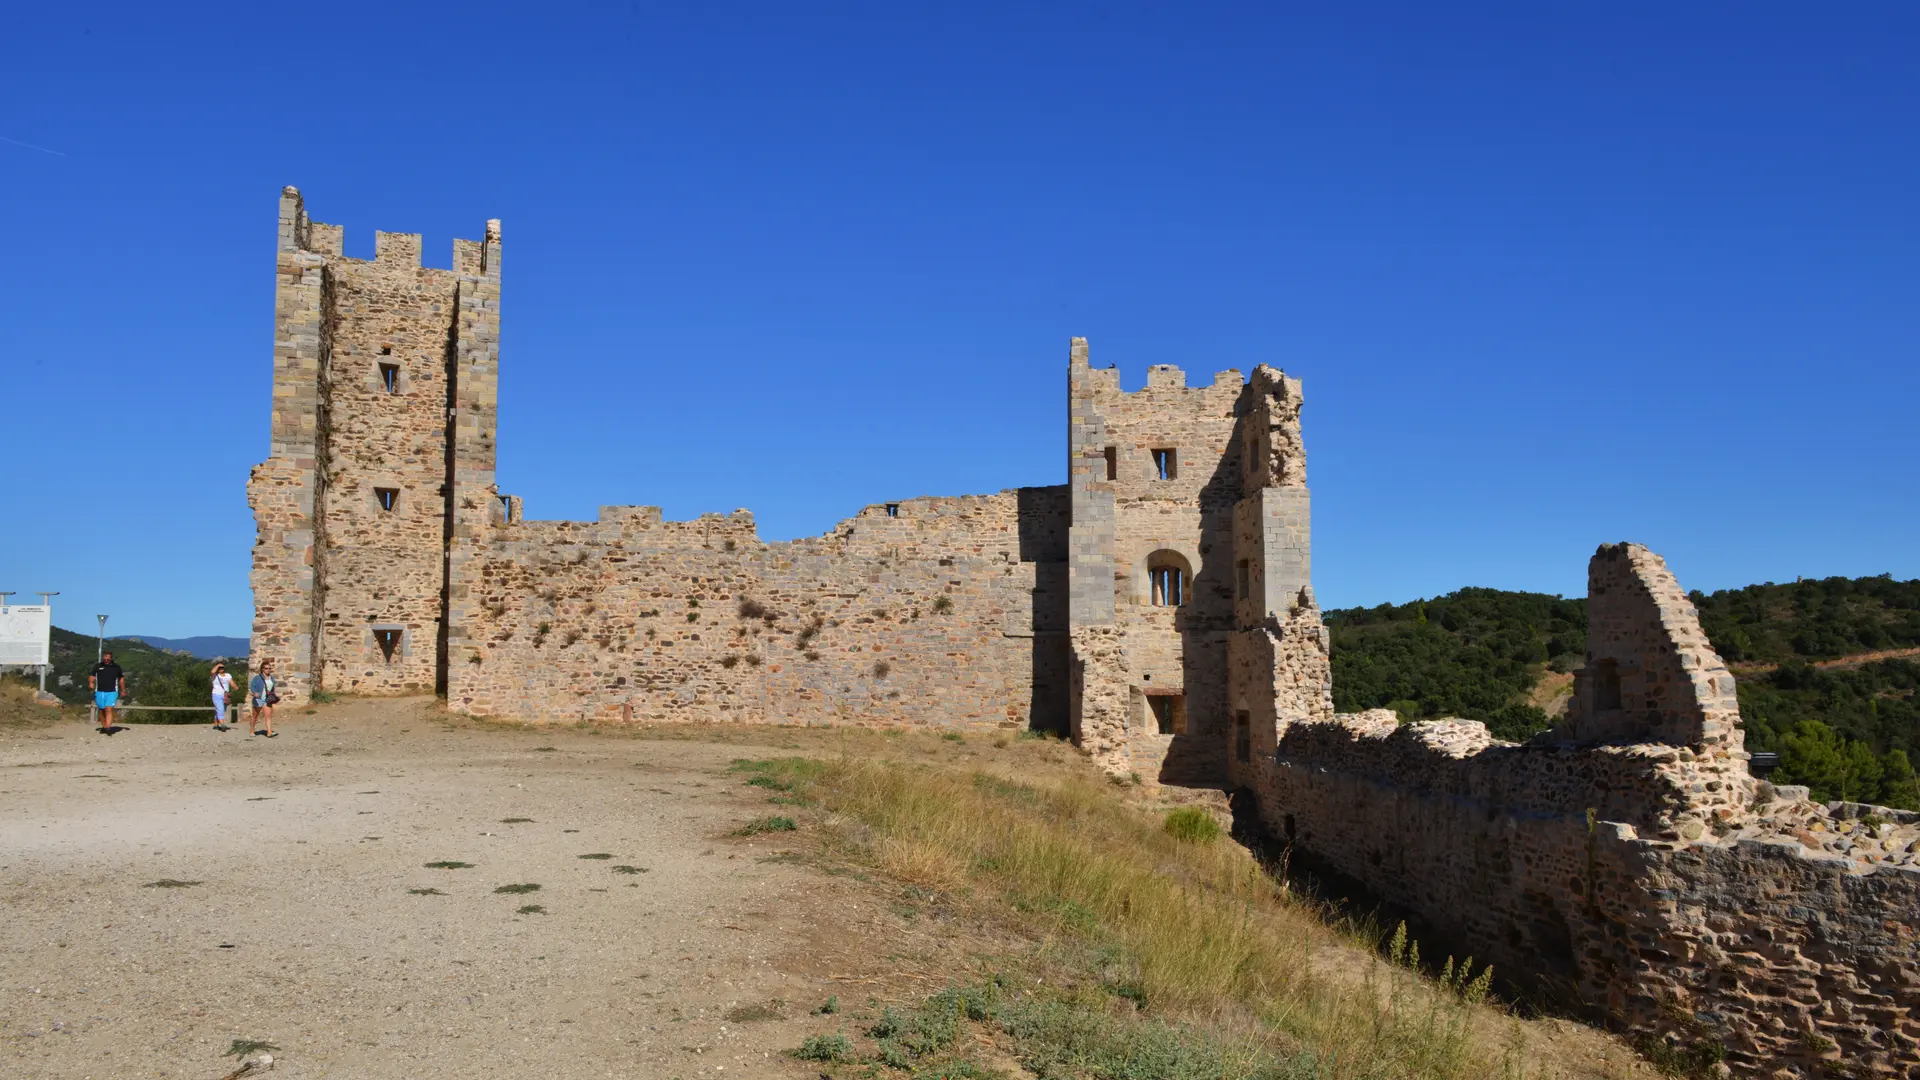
(1649, 883)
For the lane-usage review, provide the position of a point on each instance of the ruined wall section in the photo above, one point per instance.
(1279, 669)
(1778, 949)
(922, 612)
(1652, 882)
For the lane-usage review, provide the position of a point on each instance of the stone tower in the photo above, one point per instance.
(1188, 571)
(384, 394)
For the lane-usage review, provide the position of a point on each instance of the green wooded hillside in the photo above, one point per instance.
(1848, 732)
(154, 676)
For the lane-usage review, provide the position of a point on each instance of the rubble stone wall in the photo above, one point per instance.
(1637, 874)
(944, 612)
(1786, 955)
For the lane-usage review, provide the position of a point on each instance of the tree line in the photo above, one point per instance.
(1846, 732)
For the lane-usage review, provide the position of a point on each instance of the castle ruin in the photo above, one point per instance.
(1157, 608)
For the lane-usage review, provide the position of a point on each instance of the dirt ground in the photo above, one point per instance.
(303, 926)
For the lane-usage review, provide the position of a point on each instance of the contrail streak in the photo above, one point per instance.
(30, 146)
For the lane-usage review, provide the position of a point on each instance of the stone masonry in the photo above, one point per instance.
(1158, 607)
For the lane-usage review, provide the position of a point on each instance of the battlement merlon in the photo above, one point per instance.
(300, 233)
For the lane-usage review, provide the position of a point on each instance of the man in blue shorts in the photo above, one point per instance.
(107, 681)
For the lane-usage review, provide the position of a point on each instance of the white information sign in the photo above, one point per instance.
(25, 632)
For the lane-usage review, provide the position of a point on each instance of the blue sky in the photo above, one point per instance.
(1553, 274)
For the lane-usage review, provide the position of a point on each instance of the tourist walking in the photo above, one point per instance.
(222, 693)
(261, 689)
(107, 681)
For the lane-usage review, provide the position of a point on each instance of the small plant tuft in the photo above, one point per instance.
(624, 869)
(518, 890)
(1193, 825)
(595, 855)
(171, 883)
(942, 605)
(757, 826)
(529, 909)
(449, 864)
(516, 821)
(828, 1048)
(426, 892)
(881, 669)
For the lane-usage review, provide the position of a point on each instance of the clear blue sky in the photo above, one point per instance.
(1554, 274)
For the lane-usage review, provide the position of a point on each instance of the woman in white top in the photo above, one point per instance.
(222, 687)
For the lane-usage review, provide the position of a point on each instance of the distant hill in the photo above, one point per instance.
(206, 648)
(1849, 730)
(155, 676)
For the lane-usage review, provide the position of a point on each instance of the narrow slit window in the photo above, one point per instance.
(1166, 463)
(390, 377)
(1169, 586)
(1243, 735)
(388, 498)
(893, 509)
(1244, 575)
(1113, 462)
(389, 642)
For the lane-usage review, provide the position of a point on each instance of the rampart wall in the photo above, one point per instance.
(944, 612)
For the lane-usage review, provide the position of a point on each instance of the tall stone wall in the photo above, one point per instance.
(943, 612)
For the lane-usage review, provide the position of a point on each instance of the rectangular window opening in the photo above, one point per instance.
(1169, 713)
(1243, 735)
(1606, 689)
(893, 509)
(1244, 573)
(387, 497)
(1113, 462)
(390, 377)
(389, 642)
(386, 350)
(1166, 463)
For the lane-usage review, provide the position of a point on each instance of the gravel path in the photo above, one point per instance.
(303, 928)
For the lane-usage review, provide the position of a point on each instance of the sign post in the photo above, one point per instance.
(25, 631)
(46, 598)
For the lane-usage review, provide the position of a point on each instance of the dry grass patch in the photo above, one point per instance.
(1198, 936)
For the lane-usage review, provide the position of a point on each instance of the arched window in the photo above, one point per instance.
(1168, 578)
(1169, 585)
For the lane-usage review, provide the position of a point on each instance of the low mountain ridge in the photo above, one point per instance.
(205, 647)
